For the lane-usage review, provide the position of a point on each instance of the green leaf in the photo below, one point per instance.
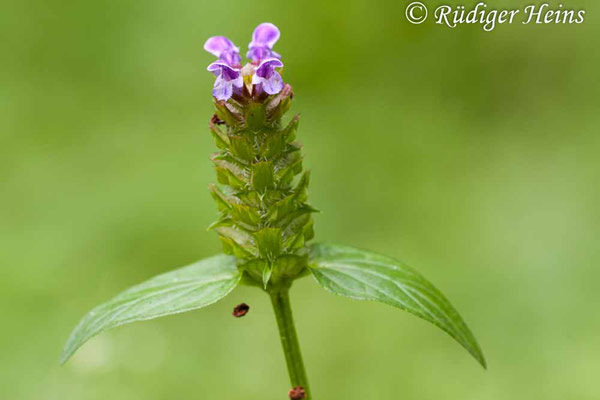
(181, 290)
(364, 275)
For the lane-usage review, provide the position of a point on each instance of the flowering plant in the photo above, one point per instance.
(266, 223)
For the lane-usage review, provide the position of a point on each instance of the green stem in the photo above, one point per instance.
(289, 340)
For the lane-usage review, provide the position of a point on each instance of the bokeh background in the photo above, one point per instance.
(472, 156)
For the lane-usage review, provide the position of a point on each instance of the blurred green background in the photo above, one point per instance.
(471, 156)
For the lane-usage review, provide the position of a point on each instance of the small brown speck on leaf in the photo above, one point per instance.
(297, 393)
(240, 310)
(216, 120)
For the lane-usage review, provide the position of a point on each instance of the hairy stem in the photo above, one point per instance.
(289, 340)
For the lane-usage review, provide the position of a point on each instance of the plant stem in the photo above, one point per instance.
(289, 340)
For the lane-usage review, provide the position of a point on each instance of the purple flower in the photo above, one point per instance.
(265, 75)
(227, 68)
(261, 47)
(229, 72)
(224, 50)
(228, 78)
